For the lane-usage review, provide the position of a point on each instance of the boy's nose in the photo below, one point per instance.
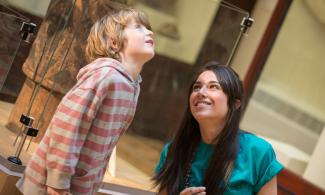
(149, 32)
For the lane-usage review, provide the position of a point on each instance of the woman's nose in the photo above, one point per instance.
(202, 91)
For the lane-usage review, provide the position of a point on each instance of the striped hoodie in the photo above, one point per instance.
(86, 126)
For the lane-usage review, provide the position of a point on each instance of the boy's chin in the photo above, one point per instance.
(149, 56)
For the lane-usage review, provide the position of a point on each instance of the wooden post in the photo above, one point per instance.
(54, 41)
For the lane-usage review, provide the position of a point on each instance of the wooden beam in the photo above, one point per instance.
(265, 46)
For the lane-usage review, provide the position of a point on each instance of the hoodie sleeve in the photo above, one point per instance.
(68, 131)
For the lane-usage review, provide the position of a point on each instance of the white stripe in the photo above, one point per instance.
(65, 133)
(70, 120)
(103, 140)
(120, 95)
(107, 125)
(114, 109)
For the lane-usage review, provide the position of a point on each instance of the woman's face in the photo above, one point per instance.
(207, 100)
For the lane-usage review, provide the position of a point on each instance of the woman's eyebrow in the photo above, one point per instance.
(199, 82)
(214, 82)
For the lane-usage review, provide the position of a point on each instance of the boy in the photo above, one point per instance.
(73, 154)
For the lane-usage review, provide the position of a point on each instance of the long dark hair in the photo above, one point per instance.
(181, 149)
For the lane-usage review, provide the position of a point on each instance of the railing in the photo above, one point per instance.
(291, 184)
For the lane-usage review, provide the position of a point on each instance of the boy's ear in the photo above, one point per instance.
(237, 103)
(114, 44)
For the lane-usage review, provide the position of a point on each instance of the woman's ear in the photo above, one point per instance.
(237, 103)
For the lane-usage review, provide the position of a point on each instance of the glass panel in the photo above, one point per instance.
(10, 41)
(184, 41)
(287, 106)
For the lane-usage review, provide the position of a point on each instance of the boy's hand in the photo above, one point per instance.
(53, 191)
(193, 190)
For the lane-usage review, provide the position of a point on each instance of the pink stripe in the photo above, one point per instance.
(111, 117)
(119, 86)
(105, 132)
(85, 178)
(62, 154)
(37, 168)
(87, 159)
(46, 139)
(97, 74)
(105, 61)
(40, 153)
(69, 127)
(80, 172)
(74, 113)
(94, 146)
(66, 140)
(117, 102)
(129, 118)
(82, 101)
(57, 166)
(100, 148)
(91, 161)
(34, 181)
(80, 189)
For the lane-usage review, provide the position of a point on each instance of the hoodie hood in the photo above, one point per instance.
(99, 63)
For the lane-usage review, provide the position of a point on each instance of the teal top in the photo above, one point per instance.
(256, 164)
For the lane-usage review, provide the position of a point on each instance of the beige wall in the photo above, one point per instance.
(248, 45)
(37, 7)
(294, 73)
(315, 171)
(295, 70)
(192, 27)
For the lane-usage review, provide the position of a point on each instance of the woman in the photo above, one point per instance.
(209, 154)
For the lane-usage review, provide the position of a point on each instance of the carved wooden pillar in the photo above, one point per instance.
(56, 56)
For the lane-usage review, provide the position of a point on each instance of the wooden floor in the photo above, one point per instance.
(135, 162)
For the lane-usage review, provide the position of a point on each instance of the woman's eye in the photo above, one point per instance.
(196, 87)
(214, 87)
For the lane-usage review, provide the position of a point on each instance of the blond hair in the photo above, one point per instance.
(110, 29)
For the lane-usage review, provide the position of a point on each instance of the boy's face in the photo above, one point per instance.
(139, 43)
